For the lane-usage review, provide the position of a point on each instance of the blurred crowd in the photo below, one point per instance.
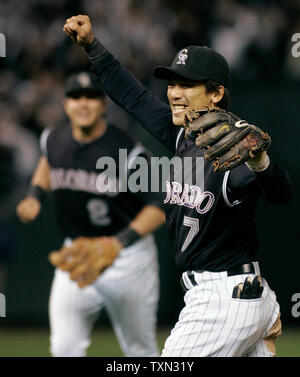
(253, 35)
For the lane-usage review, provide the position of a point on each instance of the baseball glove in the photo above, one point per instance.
(86, 258)
(228, 140)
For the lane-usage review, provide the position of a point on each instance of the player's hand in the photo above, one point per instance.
(79, 29)
(86, 258)
(28, 209)
(249, 289)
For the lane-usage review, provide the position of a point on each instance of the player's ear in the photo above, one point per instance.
(218, 94)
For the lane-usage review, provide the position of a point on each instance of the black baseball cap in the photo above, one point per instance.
(83, 82)
(197, 63)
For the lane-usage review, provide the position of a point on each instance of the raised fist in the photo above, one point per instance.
(79, 29)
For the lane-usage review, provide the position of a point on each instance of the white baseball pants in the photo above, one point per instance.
(128, 290)
(212, 323)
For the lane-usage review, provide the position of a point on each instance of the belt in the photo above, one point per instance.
(247, 268)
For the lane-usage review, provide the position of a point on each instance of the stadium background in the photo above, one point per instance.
(255, 37)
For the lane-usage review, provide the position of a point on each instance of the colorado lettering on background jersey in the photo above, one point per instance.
(82, 180)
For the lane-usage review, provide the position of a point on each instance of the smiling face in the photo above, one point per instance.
(85, 110)
(184, 95)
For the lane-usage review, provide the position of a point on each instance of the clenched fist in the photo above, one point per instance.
(79, 29)
(28, 209)
(86, 258)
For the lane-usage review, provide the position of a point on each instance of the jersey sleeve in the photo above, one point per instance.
(129, 93)
(44, 142)
(274, 184)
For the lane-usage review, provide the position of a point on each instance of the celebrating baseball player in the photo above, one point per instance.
(109, 258)
(229, 308)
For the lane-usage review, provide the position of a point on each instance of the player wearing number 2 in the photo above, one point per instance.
(212, 226)
(93, 214)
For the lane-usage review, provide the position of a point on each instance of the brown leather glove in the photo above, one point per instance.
(86, 258)
(227, 140)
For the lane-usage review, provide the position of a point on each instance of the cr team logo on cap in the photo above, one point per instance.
(182, 56)
(84, 79)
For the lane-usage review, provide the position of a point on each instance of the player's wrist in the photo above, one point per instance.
(95, 50)
(127, 236)
(259, 165)
(37, 192)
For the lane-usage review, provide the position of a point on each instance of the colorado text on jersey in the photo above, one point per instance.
(189, 196)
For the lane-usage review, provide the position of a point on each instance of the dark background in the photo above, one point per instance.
(255, 36)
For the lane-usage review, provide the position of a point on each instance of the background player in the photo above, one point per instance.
(216, 245)
(85, 215)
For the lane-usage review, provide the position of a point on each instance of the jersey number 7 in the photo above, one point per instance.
(193, 224)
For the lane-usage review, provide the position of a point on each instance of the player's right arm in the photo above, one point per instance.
(29, 208)
(121, 86)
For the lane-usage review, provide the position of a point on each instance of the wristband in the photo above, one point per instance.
(127, 236)
(262, 166)
(37, 192)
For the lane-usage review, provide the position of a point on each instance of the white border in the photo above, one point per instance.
(43, 141)
(224, 191)
(178, 137)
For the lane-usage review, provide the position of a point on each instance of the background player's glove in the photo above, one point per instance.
(249, 290)
(86, 258)
(228, 140)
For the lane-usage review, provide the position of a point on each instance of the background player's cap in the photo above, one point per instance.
(197, 63)
(83, 82)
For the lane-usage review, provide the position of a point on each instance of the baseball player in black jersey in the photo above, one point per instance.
(98, 217)
(212, 226)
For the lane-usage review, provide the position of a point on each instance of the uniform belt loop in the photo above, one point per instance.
(256, 268)
(188, 281)
(192, 278)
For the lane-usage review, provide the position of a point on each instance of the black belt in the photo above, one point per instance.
(247, 268)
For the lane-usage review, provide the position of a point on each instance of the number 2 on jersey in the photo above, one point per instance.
(193, 224)
(98, 212)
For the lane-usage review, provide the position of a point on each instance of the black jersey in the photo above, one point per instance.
(86, 203)
(218, 230)
(208, 230)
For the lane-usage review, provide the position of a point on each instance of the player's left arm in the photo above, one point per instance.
(262, 176)
(241, 149)
(148, 220)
